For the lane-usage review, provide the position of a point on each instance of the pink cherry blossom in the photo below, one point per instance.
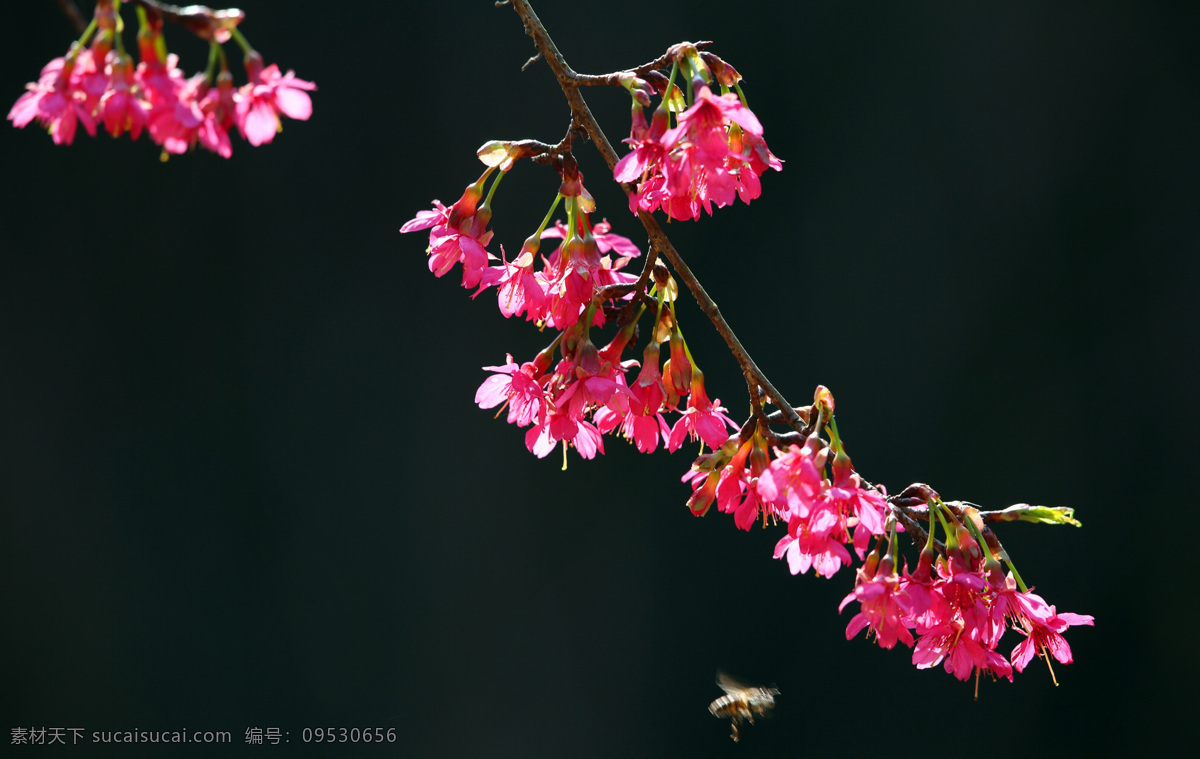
(458, 234)
(963, 655)
(645, 430)
(815, 539)
(645, 423)
(794, 483)
(705, 121)
(748, 162)
(695, 179)
(714, 154)
(588, 441)
(704, 489)
(696, 174)
(539, 441)
(556, 425)
(814, 549)
(819, 513)
(587, 393)
(638, 415)
(733, 494)
(956, 626)
(160, 81)
(702, 419)
(958, 644)
(865, 509)
(518, 287)
(581, 385)
(606, 239)
(120, 107)
(576, 270)
(648, 150)
(92, 76)
(964, 590)
(267, 95)
(449, 246)
(518, 385)
(56, 100)
(218, 107)
(1042, 627)
(884, 603)
(176, 124)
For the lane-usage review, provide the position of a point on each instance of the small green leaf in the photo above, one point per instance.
(1039, 514)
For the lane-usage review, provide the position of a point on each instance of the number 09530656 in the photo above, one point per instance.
(348, 735)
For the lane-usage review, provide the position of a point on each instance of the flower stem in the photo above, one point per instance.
(492, 190)
(549, 215)
(85, 36)
(1020, 583)
(243, 43)
(214, 56)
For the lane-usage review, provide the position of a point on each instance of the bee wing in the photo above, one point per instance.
(728, 684)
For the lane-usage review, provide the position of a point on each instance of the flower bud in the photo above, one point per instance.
(638, 88)
(823, 402)
(702, 499)
(529, 249)
(816, 449)
(678, 375)
(918, 492)
(760, 459)
(724, 73)
(466, 205)
(572, 179)
(718, 458)
(656, 80)
(587, 360)
(498, 153)
(966, 543)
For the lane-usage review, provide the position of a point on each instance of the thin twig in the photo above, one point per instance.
(71, 11)
(614, 79)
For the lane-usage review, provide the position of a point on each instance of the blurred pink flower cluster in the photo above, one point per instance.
(99, 85)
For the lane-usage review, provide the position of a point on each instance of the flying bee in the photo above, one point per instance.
(741, 702)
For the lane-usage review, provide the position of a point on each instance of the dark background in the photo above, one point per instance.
(244, 483)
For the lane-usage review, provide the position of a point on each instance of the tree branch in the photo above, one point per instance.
(200, 20)
(570, 81)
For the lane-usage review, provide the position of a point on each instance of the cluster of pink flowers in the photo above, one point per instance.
(587, 395)
(557, 292)
(713, 154)
(99, 85)
(578, 390)
(750, 481)
(820, 511)
(959, 606)
(590, 391)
